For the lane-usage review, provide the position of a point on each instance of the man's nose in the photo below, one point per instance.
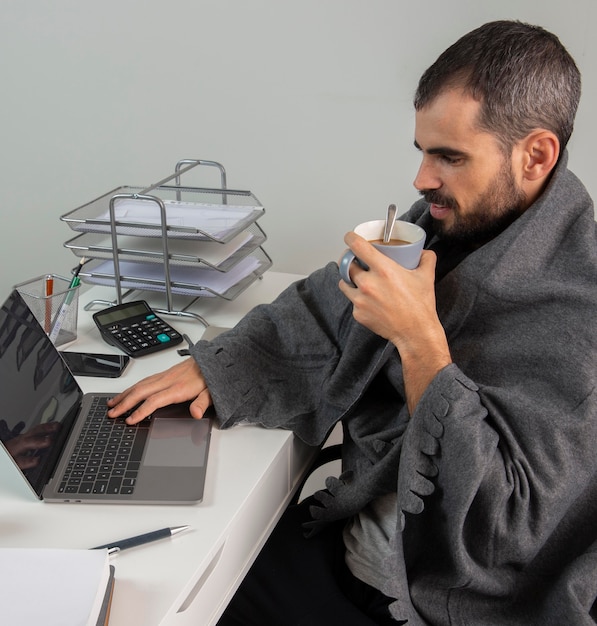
(426, 177)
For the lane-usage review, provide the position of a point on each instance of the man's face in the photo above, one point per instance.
(465, 175)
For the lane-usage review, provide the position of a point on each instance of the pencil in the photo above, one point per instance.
(49, 290)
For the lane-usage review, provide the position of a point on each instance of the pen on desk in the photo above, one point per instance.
(139, 540)
(61, 315)
(49, 290)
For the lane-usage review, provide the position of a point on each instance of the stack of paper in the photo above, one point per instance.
(217, 221)
(186, 280)
(212, 253)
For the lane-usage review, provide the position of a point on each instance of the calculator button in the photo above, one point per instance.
(163, 338)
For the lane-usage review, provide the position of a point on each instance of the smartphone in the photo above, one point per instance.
(92, 364)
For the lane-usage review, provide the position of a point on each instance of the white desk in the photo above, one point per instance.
(252, 473)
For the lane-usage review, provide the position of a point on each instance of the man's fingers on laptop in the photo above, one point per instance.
(139, 414)
(122, 403)
(180, 383)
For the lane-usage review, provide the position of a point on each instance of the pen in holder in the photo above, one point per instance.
(54, 301)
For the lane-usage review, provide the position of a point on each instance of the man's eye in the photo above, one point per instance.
(451, 160)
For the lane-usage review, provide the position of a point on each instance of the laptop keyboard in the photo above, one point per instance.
(107, 455)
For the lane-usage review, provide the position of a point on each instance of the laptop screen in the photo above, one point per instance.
(40, 398)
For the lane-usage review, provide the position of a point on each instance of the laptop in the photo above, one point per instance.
(64, 445)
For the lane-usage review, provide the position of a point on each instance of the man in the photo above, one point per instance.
(467, 387)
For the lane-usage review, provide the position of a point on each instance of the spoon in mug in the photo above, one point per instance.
(389, 226)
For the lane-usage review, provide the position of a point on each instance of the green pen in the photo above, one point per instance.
(61, 315)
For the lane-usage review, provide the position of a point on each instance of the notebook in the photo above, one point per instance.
(45, 420)
(70, 586)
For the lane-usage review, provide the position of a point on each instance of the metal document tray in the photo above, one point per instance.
(236, 210)
(184, 280)
(211, 254)
(171, 238)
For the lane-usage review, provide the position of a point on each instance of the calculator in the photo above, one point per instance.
(135, 329)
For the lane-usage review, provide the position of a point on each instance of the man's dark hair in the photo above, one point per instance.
(523, 76)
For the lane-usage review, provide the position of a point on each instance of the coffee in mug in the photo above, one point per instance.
(392, 242)
(405, 245)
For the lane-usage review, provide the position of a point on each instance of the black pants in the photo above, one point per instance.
(304, 582)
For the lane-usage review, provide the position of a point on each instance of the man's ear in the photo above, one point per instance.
(540, 151)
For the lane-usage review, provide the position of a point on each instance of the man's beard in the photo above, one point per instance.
(500, 205)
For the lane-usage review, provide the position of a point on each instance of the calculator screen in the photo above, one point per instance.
(116, 316)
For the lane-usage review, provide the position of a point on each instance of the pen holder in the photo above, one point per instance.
(54, 304)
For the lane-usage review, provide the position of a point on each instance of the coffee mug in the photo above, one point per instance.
(405, 245)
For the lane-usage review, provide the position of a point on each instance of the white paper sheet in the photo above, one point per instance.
(193, 278)
(217, 220)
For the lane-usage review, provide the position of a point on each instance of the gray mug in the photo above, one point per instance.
(405, 246)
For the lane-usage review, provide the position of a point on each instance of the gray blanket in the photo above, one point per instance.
(496, 469)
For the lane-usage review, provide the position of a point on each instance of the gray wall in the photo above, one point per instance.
(308, 104)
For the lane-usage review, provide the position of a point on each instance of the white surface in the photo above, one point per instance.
(307, 104)
(186, 579)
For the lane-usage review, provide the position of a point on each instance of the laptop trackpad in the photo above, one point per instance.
(177, 442)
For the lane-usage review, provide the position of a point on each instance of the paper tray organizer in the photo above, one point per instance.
(172, 238)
